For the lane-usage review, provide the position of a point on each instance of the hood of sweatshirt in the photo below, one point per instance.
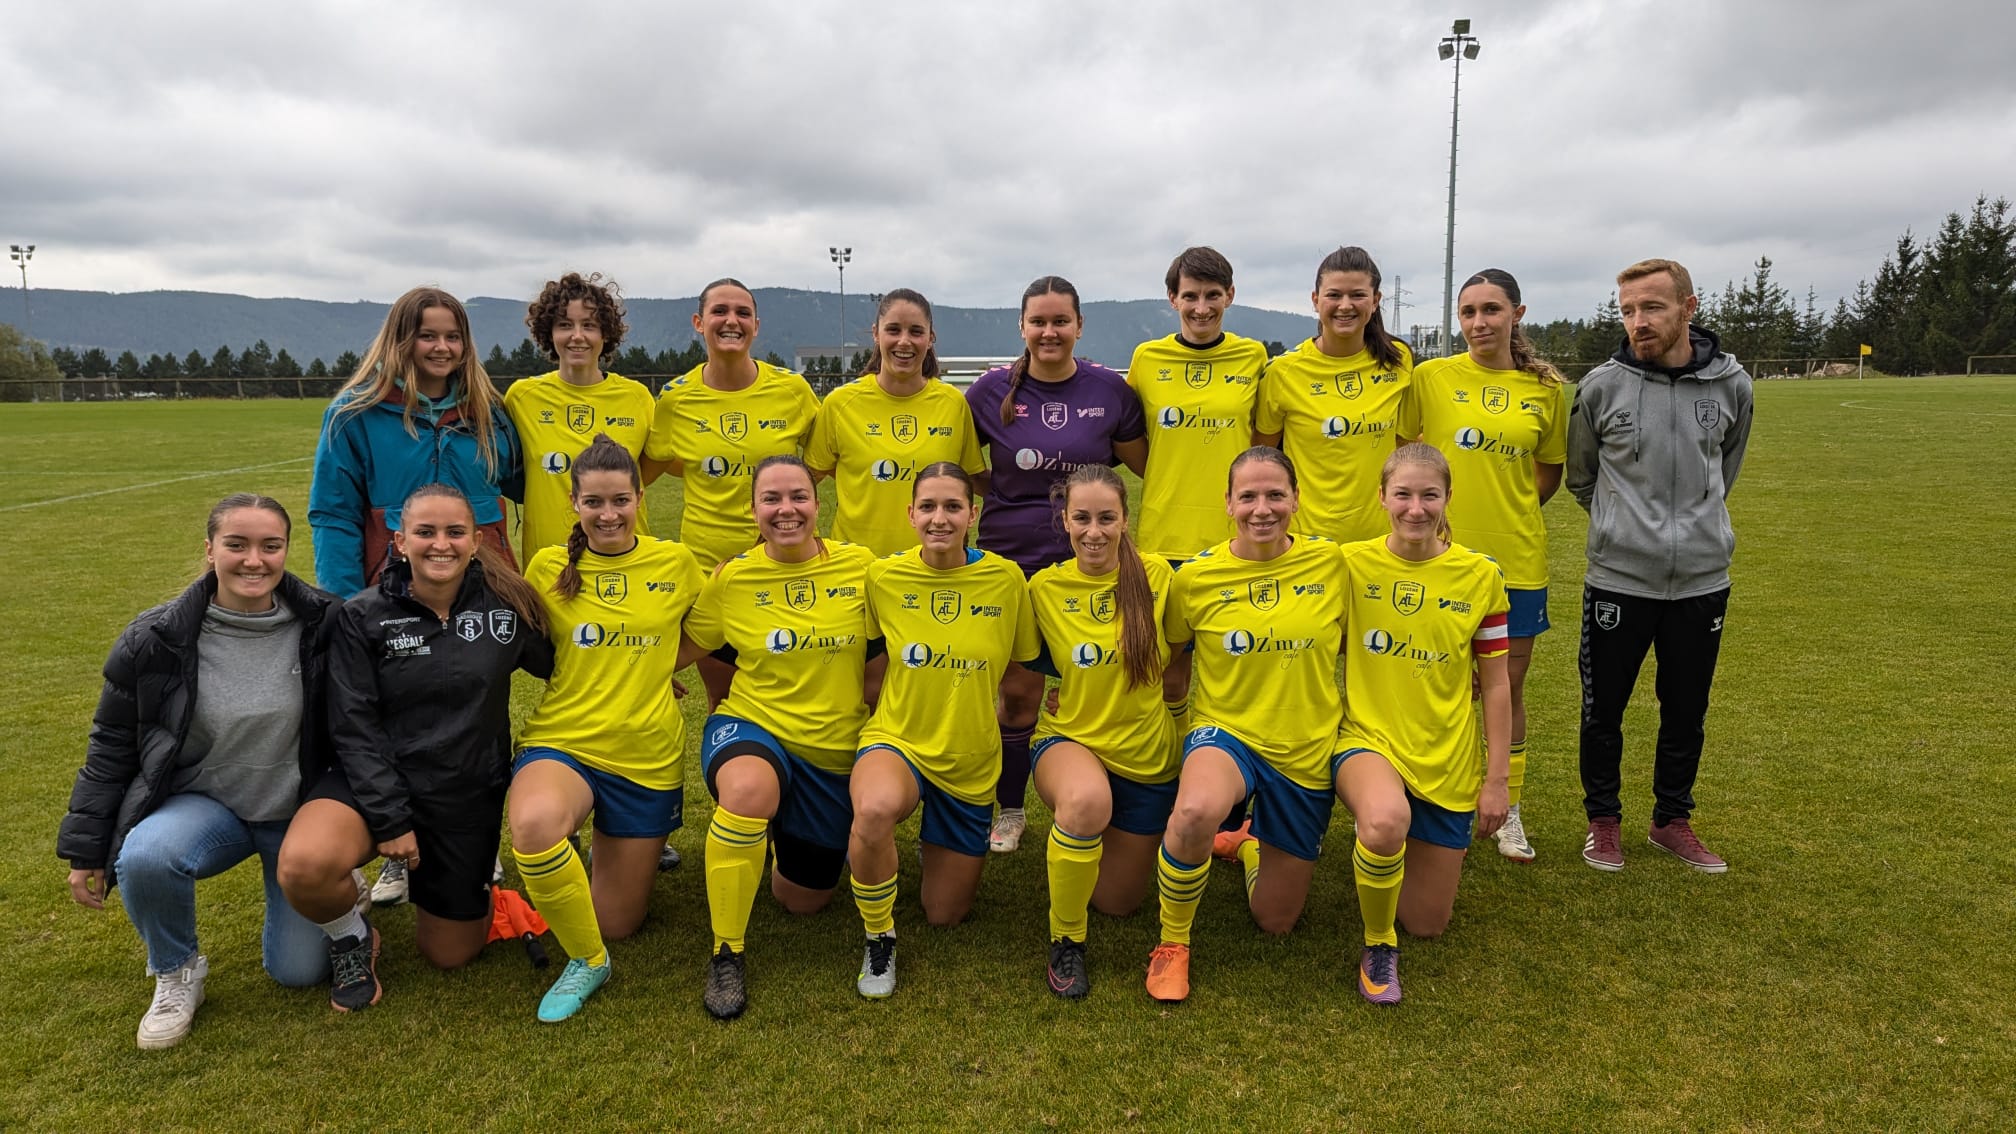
(1707, 348)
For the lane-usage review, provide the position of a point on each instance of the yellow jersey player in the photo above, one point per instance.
(955, 619)
(1425, 616)
(1265, 613)
(1198, 388)
(607, 737)
(1500, 415)
(777, 752)
(1333, 404)
(578, 322)
(713, 424)
(1105, 758)
(873, 434)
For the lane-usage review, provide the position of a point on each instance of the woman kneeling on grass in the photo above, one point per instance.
(956, 619)
(420, 711)
(208, 728)
(1105, 759)
(1265, 610)
(777, 753)
(608, 735)
(1427, 614)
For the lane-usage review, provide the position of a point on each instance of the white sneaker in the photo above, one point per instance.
(1006, 833)
(877, 979)
(363, 903)
(390, 888)
(1512, 838)
(497, 871)
(177, 995)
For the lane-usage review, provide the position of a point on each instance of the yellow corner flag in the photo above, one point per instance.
(1866, 349)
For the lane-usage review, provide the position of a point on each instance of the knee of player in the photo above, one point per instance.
(1117, 907)
(538, 824)
(1425, 926)
(303, 867)
(1084, 809)
(446, 958)
(947, 914)
(1383, 830)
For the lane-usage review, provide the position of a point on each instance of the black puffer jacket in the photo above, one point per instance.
(145, 709)
(420, 707)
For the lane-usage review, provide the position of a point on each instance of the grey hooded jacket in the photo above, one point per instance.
(1652, 455)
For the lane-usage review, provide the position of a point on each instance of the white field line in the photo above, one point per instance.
(1924, 409)
(154, 484)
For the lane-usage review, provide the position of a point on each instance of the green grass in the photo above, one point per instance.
(1850, 971)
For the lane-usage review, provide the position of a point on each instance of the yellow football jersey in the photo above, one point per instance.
(1493, 425)
(555, 421)
(1338, 421)
(800, 633)
(610, 702)
(1078, 617)
(717, 437)
(874, 444)
(1199, 406)
(1416, 632)
(951, 635)
(1266, 638)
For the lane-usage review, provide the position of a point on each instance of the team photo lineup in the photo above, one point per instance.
(1323, 584)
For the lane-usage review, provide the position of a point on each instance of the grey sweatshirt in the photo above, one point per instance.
(244, 746)
(1652, 455)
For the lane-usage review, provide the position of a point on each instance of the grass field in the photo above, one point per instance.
(1851, 970)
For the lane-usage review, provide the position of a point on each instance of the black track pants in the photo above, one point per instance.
(1684, 635)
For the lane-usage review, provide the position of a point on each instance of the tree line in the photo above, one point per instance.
(1934, 302)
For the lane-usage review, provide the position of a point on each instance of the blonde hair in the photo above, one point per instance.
(1419, 453)
(388, 368)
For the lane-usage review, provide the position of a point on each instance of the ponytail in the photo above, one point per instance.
(509, 585)
(1046, 285)
(1523, 355)
(890, 299)
(1384, 348)
(1140, 635)
(568, 584)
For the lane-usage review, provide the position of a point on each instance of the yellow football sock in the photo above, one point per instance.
(1249, 857)
(1182, 886)
(1074, 873)
(1515, 780)
(735, 847)
(557, 883)
(878, 905)
(1378, 877)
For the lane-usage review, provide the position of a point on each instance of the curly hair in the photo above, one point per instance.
(601, 296)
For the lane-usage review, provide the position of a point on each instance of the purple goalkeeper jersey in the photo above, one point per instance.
(1058, 426)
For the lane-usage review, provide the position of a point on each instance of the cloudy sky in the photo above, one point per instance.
(346, 151)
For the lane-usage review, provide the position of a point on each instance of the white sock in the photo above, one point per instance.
(351, 924)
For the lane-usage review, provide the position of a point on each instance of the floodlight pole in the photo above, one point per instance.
(840, 257)
(1458, 45)
(21, 254)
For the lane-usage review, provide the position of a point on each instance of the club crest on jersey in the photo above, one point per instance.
(1408, 596)
(1496, 398)
(612, 586)
(1264, 593)
(945, 606)
(1102, 605)
(801, 594)
(1197, 374)
(735, 425)
(1608, 615)
(903, 427)
(1349, 384)
(1708, 413)
(580, 418)
(504, 626)
(1056, 414)
(468, 626)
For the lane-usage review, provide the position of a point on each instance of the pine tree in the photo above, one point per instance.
(1895, 323)
(193, 364)
(345, 366)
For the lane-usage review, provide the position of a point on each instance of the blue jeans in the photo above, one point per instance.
(191, 837)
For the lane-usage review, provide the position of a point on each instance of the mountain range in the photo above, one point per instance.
(176, 322)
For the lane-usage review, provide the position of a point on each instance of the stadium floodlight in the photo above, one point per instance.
(21, 254)
(1459, 45)
(840, 258)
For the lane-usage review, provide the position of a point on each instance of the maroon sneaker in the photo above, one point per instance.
(1602, 848)
(1678, 839)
